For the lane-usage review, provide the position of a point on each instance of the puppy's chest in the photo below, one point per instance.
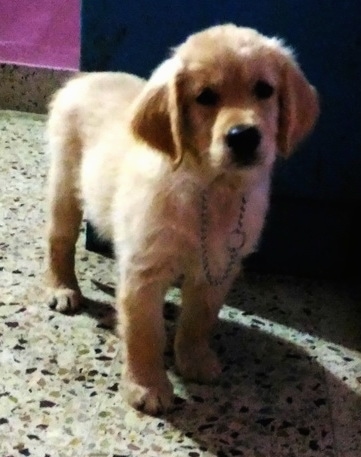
(216, 223)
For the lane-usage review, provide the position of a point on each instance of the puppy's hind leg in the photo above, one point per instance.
(65, 214)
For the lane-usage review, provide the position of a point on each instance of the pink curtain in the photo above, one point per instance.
(42, 33)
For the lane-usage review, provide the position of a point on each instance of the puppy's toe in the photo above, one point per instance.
(200, 365)
(154, 399)
(65, 300)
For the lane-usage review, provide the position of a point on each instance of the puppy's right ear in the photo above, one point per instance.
(157, 119)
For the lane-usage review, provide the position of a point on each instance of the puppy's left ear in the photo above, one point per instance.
(299, 108)
(157, 118)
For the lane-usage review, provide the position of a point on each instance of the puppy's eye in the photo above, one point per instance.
(263, 90)
(208, 97)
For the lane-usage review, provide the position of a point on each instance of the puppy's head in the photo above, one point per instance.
(228, 99)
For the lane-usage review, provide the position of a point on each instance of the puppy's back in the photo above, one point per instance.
(89, 101)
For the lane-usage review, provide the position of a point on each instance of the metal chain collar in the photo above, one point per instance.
(234, 254)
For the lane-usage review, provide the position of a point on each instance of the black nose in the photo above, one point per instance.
(243, 140)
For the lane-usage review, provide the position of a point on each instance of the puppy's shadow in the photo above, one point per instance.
(103, 312)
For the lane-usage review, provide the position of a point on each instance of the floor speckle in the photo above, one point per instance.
(291, 349)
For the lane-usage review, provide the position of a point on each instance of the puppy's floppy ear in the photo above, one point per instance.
(157, 117)
(299, 108)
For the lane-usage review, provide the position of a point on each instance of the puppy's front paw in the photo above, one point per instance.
(152, 399)
(201, 364)
(65, 300)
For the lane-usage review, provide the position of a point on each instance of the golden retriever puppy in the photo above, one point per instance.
(176, 172)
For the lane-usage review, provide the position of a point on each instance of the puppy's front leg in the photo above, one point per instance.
(195, 359)
(146, 384)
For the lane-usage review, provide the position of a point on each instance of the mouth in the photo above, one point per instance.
(246, 160)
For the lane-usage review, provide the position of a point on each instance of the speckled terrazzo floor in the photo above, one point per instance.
(291, 385)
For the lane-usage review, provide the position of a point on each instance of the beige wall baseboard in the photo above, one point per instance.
(29, 89)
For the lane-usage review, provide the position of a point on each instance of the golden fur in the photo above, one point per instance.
(137, 156)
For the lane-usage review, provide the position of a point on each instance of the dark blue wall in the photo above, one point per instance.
(135, 36)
